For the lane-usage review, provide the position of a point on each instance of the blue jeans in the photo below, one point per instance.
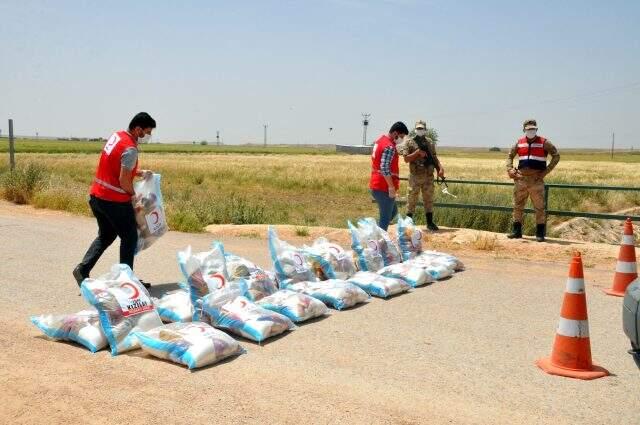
(387, 207)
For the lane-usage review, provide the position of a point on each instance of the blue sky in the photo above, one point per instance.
(473, 70)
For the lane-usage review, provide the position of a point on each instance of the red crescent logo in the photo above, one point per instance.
(243, 303)
(298, 259)
(219, 278)
(136, 293)
(335, 249)
(156, 216)
(373, 245)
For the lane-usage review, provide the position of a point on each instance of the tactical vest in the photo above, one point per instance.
(532, 154)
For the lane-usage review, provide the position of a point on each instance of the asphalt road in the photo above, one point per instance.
(459, 351)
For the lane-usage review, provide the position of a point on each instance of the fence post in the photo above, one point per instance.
(546, 202)
(12, 158)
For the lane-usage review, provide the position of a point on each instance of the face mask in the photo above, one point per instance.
(421, 132)
(145, 139)
(530, 134)
(400, 139)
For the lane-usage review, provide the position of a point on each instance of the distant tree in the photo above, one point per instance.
(203, 142)
(494, 149)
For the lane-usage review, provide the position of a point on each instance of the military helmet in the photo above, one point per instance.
(530, 125)
(421, 125)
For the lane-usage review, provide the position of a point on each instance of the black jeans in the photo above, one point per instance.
(115, 219)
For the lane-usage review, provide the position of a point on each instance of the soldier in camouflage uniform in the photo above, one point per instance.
(420, 152)
(532, 151)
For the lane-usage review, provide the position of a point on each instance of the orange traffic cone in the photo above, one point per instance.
(571, 355)
(626, 268)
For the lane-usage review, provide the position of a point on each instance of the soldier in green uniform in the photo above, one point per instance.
(419, 151)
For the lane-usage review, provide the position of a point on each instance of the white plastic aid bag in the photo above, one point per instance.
(330, 260)
(410, 273)
(374, 247)
(175, 306)
(149, 211)
(193, 344)
(409, 238)
(435, 259)
(378, 285)
(259, 282)
(204, 271)
(228, 308)
(295, 305)
(82, 327)
(290, 263)
(124, 306)
(338, 294)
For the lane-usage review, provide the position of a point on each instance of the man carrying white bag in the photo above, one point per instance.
(131, 211)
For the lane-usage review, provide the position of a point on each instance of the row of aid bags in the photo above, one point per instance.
(223, 291)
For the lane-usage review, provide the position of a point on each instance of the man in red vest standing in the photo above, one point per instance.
(111, 192)
(385, 173)
(532, 151)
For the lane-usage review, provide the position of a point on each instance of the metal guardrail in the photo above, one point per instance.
(547, 189)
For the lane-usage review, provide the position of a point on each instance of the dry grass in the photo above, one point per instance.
(485, 242)
(311, 190)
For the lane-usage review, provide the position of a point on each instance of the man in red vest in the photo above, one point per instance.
(111, 192)
(532, 151)
(385, 173)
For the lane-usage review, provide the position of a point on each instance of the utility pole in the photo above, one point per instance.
(265, 135)
(365, 124)
(613, 143)
(12, 148)
(218, 137)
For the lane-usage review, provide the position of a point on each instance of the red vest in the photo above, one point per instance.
(106, 184)
(532, 155)
(377, 181)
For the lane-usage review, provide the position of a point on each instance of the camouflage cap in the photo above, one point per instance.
(421, 125)
(530, 124)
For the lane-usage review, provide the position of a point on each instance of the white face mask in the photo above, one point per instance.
(145, 139)
(530, 133)
(400, 139)
(421, 132)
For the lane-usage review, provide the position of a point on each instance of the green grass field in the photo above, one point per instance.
(63, 146)
(301, 186)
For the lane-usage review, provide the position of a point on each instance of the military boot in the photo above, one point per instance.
(541, 229)
(430, 224)
(516, 233)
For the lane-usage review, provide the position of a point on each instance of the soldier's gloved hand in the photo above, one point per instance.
(441, 173)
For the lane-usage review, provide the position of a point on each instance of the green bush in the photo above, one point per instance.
(20, 185)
